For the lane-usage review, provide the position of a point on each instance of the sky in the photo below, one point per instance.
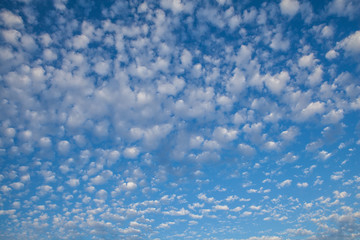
(179, 119)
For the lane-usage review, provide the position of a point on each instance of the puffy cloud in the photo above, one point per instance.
(171, 88)
(343, 194)
(237, 82)
(289, 134)
(186, 58)
(17, 185)
(222, 134)
(81, 41)
(63, 147)
(337, 175)
(131, 152)
(181, 212)
(312, 109)
(316, 76)
(351, 44)
(73, 182)
(102, 194)
(288, 158)
(9, 19)
(307, 61)
(302, 185)
(334, 116)
(331, 54)
(102, 68)
(129, 186)
(221, 207)
(289, 7)
(246, 149)
(45, 142)
(344, 8)
(284, 183)
(324, 155)
(278, 82)
(279, 43)
(102, 178)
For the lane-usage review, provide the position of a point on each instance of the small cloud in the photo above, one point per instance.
(10, 19)
(80, 41)
(307, 61)
(289, 7)
(73, 182)
(246, 149)
(331, 54)
(102, 68)
(351, 44)
(284, 183)
(288, 158)
(131, 152)
(221, 207)
(337, 175)
(63, 147)
(302, 185)
(324, 155)
(338, 194)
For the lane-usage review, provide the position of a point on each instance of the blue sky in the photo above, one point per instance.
(179, 119)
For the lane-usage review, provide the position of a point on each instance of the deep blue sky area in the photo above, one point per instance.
(178, 119)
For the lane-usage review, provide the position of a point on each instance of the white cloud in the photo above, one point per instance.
(351, 44)
(341, 194)
(334, 116)
(73, 182)
(196, 141)
(284, 183)
(186, 58)
(327, 31)
(237, 82)
(312, 109)
(302, 185)
(331, 54)
(129, 186)
(102, 68)
(60, 4)
(271, 146)
(289, 7)
(175, 6)
(171, 88)
(278, 43)
(316, 76)
(307, 61)
(221, 207)
(289, 134)
(323, 155)
(17, 185)
(181, 212)
(246, 149)
(102, 194)
(255, 208)
(344, 8)
(131, 152)
(44, 189)
(337, 175)
(102, 178)
(277, 83)
(9, 19)
(63, 147)
(288, 158)
(222, 134)
(80, 41)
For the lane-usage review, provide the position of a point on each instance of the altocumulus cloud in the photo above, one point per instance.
(179, 119)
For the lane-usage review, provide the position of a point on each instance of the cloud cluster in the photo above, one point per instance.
(179, 119)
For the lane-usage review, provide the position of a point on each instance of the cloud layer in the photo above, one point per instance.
(179, 119)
